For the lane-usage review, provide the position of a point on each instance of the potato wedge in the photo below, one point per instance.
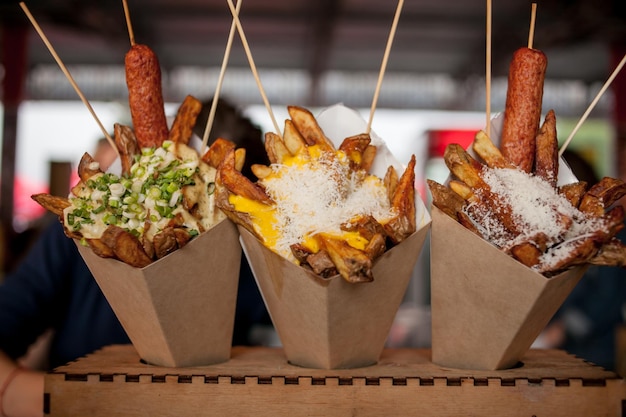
(275, 148)
(352, 264)
(485, 148)
(403, 201)
(127, 247)
(293, 139)
(309, 129)
(185, 120)
(127, 146)
(547, 151)
(52, 203)
(217, 152)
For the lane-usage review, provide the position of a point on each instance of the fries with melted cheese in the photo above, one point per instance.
(309, 204)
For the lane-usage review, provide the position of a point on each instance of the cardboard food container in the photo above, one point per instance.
(178, 311)
(487, 308)
(328, 323)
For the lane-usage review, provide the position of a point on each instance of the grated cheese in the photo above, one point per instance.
(317, 194)
(536, 207)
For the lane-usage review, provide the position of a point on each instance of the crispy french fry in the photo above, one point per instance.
(403, 201)
(547, 151)
(52, 203)
(354, 147)
(240, 158)
(306, 124)
(127, 247)
(261, 171)
(368, 158)
(352, 264)
(366, 225)
(293, 139)
(602, 195)
(573, 192)
(88, 167)
(390, 181)
(217, 152)
(612, 253)
(237, 183)
(485, 148)
(275, 148)
(321, 264)
(185, 120)
(126, 143)
(445, 199)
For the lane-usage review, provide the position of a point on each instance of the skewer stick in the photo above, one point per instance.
(488, 73)
(129, 25)
(68, 75)
(384, 63)
(246, 47)
(531, 33)
(229, 43)
(592, 105)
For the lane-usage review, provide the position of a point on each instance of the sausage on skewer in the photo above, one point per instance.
(523, 107)
(145, 96)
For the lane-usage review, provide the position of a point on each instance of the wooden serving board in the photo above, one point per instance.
(260, 382)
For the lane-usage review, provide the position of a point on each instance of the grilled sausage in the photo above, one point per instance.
(523, 107)
(145, 96)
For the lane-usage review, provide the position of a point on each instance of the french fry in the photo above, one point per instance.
(293, 139)
(368, 158)
(261, 171)
(275, 148)
(612, 253)
(126, 144)
(237, 183)
(352, 264)
(390, 181)
(52, 203)
(354, 147)
(403, 201)
(185, 120)
(217, 152)
(602, 195)
(126, 246)
(485, 148)
(309, 129)
(547, 151)
(573, 192)
(445, 199)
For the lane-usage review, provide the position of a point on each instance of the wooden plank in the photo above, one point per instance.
(259, 381)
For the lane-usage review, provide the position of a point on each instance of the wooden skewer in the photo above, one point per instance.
(246, 47)
(384, 64)
(68, 75)
(488, 73)
(229, 43)
(531, 32)
(129, 25)
(593, 104)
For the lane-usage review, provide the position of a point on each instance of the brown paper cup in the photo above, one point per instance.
(330, 323)
(180, 310)
(487, 308)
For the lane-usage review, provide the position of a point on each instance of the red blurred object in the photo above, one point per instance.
(25, 209)
(439, 139)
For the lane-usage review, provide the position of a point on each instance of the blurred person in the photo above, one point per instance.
(586, 324)
(52, 292)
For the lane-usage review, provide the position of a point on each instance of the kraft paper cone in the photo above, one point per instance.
(180, 310)
(330, 323)
(487, 308)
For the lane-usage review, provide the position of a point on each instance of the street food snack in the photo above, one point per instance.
(316, 204)
(163, 198)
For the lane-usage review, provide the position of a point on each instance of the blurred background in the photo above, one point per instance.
(309, 53)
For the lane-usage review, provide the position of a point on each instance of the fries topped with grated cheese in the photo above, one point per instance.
(322, 209)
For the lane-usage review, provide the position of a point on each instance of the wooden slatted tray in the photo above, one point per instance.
(260, 382)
